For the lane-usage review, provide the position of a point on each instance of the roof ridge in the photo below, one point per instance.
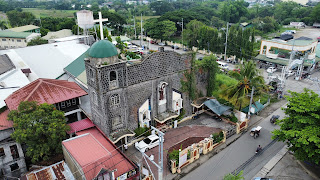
(34, 89)
(60, 85)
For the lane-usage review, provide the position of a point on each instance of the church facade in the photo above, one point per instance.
(127, 94)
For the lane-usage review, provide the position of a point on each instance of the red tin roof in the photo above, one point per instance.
(4, 123)
(105, 154)
(49, 91)
(80, 125)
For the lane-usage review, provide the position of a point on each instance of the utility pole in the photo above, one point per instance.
(160, 165)
(135, 30)
(250, 105)
(141, 32)
(226, 44)
(182, 35)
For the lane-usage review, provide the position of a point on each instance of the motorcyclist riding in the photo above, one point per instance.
(259, 148)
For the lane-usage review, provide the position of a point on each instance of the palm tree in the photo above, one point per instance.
(247, 77)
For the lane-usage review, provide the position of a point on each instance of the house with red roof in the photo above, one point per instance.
(64, 95)
(91, 155)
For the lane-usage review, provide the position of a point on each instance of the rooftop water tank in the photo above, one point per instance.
(85, 19)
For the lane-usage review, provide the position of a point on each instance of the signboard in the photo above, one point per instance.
(183, 156)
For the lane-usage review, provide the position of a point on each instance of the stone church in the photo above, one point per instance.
(127, 94)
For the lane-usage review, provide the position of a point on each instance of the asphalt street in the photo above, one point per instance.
(238, 153)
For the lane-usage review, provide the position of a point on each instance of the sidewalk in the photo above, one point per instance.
(285, 166)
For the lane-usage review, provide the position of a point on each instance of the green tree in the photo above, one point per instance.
(160, 29)
(161, 7)
(37, 41)
(3, 25)
(315, 13)
(40, 127)
(234, 177)
(249, 76)
(43, 31)
(210, 65)
(231, 11)
(301, 126)
(192, 32)
(17, 18)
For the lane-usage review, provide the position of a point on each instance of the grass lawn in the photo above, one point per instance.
(50, 13)
(138, 18)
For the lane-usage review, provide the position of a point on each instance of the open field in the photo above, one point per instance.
(50, 13)
(138, 18)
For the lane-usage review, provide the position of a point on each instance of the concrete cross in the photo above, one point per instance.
(100, 20)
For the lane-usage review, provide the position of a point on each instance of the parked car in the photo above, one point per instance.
(290, 73)
(161, 44)
(148, 143)
(175, 47)
(152, 41)
(271, 70)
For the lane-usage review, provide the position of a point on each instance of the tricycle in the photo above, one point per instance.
(274, 118)
(255, 132)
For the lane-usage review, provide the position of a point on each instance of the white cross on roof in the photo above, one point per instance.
(100, 20)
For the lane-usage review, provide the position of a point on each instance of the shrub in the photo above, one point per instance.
(141, 130)
(217, 137)
(174, 155)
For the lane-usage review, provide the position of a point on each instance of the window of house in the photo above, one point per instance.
(14, 151)
(14, 167)
(74, 101)
(114, 100)
(68, 103)
(63, 105)
(2, 152)
(18, 40)
(4, 39)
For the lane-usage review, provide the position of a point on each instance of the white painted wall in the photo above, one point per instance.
(144, 109)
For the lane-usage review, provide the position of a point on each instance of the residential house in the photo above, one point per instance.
(298, 24)
(107, 161)
(245, 25)
(10, 39)
(12, 163)
(59, 170)
(64, 95)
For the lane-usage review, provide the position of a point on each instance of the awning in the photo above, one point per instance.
(216, 107)
(257, 107)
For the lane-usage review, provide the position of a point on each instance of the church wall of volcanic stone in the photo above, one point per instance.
(125, 95)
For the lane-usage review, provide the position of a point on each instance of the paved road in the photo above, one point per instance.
(237, 153)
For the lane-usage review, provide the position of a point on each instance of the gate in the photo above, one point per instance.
(231, 131)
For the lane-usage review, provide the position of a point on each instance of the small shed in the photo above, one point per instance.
(256, 105)
(216, 107)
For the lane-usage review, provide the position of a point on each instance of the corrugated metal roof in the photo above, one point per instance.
(49, 91)
(77, 66)
(24, 28)
(12, 34)
(58, 34)
(4, 123)
(80, 125)
(58, 171)
(5, 64)
(105, 154)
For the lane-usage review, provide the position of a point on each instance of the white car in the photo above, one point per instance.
(161, 44)
(271, 70)
(148, 143)
(290, 73)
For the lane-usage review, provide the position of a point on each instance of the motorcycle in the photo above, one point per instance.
(258, 149)
(274, 119)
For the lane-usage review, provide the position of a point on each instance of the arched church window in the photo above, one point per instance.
(114, 100)
(113, 76)
(162, 91)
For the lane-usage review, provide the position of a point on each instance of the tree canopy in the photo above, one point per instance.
(17, 18)
(160, 29)
(301, 126)
(40, 127)
(37, 41)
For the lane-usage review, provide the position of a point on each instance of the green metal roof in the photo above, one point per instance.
(77, 66)
(257, 107)
(103, 49)
(11, 34)
(280, 60)
(24, 28)
(295, 42)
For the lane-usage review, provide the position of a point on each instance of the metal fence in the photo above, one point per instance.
(232, 130)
